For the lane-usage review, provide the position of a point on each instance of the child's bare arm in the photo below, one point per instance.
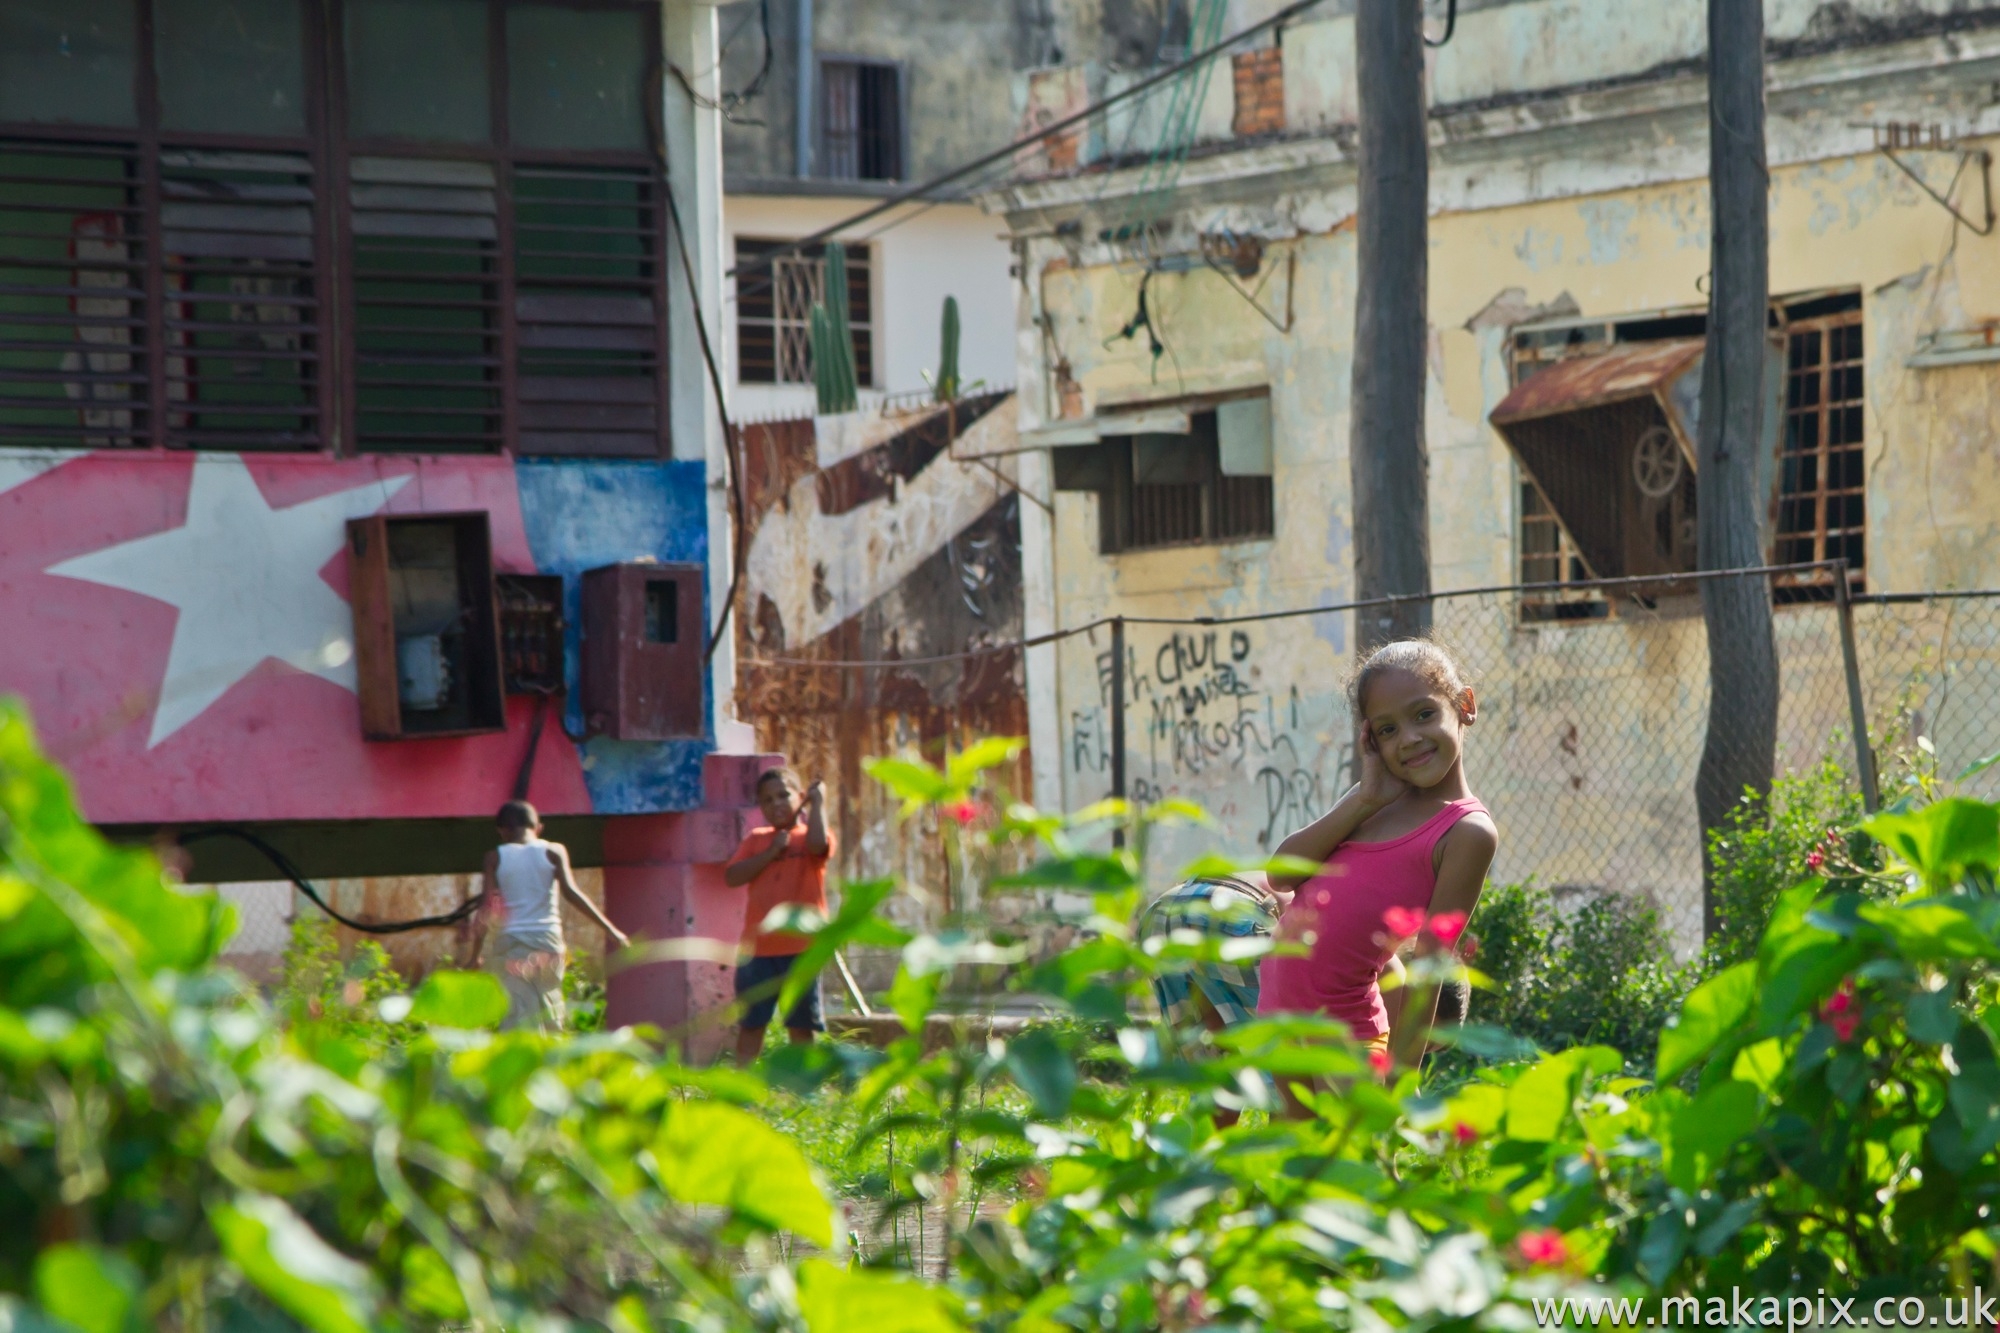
(1467, 856)
(489, 894)
(1319, 839)
(816, 839)
(559, 858)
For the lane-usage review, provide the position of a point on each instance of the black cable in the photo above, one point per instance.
(1450, 24)
(291, 872)
(915, 192)
(755, 87)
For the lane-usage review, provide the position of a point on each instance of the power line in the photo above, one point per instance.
(916, 192)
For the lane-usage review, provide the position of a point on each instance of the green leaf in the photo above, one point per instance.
(1111, 872)
(1706, 1130)
(1541, 1100)
(287, 1261)
(1665, 1241)
(451, 999)
(855, 921)
(1977, 767)
(1044, 1070)
(1932, 1016)
(1216, 867)
(428, 1288)
(707, 1152)
(963, 769)
(1927, 930)
(1173, 810)
(86, 1286)
(1942, 838)
(1710, 1011)
(913, 995)
(910, 778)
(860, 1300)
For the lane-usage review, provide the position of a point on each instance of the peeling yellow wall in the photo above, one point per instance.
(1933, 494)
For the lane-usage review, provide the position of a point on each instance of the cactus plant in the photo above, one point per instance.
(832, 343)
(947, 386)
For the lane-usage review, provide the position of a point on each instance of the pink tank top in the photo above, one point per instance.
(1340, 910)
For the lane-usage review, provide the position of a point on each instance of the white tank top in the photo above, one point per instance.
(528, 888)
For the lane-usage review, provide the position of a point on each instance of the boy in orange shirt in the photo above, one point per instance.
(781, 863)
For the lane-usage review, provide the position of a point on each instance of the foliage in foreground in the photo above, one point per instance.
(1823, 1114)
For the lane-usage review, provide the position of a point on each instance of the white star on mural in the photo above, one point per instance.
(245, 579)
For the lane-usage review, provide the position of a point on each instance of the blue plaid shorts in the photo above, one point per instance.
(1228, 908)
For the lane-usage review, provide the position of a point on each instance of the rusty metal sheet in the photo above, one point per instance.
(1629, 370)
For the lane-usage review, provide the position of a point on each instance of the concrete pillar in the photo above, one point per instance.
(663, 881)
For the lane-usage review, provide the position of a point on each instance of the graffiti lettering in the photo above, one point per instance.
(1291, 801)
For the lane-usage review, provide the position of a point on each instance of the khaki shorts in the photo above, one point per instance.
(531, 969)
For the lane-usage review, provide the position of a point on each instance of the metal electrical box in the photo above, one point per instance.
(642, 651)
(426, 629)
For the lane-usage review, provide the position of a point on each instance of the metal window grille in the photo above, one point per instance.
(177, 289)
(774, 313)
(1822, 502)
(1193, 504)
(861, 118)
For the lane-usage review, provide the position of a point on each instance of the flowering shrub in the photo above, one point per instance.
(1823, 1113)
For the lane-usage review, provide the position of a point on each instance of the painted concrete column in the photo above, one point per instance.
(663, 882)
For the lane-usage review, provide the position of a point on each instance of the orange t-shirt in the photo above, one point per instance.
(794, 877)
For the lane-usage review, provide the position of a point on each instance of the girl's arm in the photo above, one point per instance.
(1467, 855)
(559, 858)
(1317, 840)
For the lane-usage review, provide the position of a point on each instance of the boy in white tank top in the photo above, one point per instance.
(524, 917)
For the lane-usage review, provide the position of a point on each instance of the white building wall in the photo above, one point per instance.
(945, 250)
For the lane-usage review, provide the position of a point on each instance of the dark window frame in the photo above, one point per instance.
(774, 350)
(877, 153)
(1211, 509)
(328, 153)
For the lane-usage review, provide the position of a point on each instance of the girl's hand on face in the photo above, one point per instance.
(1377, 787)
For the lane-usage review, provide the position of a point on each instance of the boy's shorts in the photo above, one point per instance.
(1216, 907)
(766, 977)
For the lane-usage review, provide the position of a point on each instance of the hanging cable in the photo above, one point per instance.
(1450, 24)
(305, 886)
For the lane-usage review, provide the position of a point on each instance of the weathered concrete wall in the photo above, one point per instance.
(1593, 200)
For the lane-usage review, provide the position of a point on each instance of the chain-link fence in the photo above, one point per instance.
(1591, 726)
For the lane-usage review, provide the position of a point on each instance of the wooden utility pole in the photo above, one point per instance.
(1388, 466)
(1741, 747)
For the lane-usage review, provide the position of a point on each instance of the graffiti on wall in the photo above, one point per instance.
(1214, 714)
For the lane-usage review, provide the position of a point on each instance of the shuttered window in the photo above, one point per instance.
(280, 237)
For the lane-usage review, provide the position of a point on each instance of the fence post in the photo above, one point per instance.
(1857, 709)
(1118, 722)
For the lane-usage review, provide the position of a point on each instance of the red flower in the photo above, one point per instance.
(1463, 1132)
(1403, 922)
(1844, 1026)
(963, 811)
(1815, 859)
(1544, 1249)
(1470, 949)
(1839, 1002)
(1448, 926)
(1381, 1062)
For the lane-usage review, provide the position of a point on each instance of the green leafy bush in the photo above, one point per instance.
(1600, 972)
(1770, 845)
(1823, 1114)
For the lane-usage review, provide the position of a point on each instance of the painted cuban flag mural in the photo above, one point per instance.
(180, 627)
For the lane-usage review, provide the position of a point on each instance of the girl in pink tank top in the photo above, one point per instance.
(1404, 852)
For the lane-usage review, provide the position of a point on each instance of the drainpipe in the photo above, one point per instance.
(803, 144)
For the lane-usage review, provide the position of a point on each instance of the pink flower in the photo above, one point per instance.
(1470, 949)
(1463, 1132)
(1403, 922)
(1844, 1026)
(963, 811)
(1448, 926)
(1839, 1002)
(1815, 859)
(1381, 1062)
(1544, 1249)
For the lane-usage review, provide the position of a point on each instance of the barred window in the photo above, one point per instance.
(1157, 490)
(861, 121)
(1822, 501)
(774, 312)
(371, 225)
